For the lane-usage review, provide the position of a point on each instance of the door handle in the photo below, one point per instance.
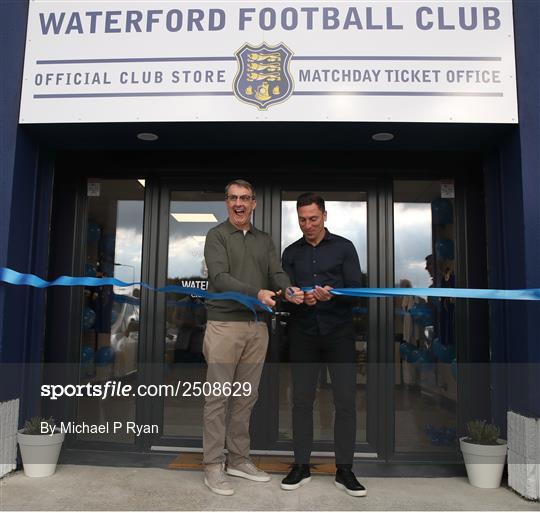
(279, 315)
(282, 314)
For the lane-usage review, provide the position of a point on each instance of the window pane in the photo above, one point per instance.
(110, 319)
(192, 214)
(425, 381)
(347, 216)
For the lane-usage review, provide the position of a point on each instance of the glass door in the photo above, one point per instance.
(402, 405)
(425, 355)
(347, 217)
(190, 214)
(110, 317)
(186, 216)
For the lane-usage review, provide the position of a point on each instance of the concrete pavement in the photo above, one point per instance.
(96, 488)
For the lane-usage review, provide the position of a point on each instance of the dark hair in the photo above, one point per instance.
(240, 183)
(308, 198)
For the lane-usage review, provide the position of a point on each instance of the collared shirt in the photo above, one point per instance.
(333, 262)
(239, 262)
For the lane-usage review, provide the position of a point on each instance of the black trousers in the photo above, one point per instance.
(307, 355)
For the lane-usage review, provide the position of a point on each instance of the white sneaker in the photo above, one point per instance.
(248, 470)
(216, 479)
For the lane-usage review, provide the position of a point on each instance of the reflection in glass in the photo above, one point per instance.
(426, 389)
(192, 214)
(110, 320)
(347, 216)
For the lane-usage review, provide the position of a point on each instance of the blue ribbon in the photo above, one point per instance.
(15, 278)
(517, 294)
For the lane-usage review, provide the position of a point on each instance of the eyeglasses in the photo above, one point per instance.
(245, 198)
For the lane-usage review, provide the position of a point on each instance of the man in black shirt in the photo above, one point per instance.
(321, 330)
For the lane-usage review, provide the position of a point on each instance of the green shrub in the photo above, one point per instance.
(482, 433)
(33, 426)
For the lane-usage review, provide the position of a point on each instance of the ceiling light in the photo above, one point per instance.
(199, 238)
(195, 218)
(142, 182)
(147, 136)
(382, 136)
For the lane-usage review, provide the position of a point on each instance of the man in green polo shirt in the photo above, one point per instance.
(242, 259)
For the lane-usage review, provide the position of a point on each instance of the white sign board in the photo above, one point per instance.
(173, 60)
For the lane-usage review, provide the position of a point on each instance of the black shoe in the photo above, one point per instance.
(346, 481)
(299, 475)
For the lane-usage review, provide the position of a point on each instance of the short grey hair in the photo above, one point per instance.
(240, 183)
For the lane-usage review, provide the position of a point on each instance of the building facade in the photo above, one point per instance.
(106, 183)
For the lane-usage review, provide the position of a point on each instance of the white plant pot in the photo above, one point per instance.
(40, 453)
(484, 463)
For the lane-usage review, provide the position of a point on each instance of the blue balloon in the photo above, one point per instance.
(442, 211)
(87, 354)
(445, 249)
(405, 348)
(447, 354)
(444, 354)
(433, 433)
(437, 439)
(89, 318)
(413, 356)
(440, 435)
(93, 232)
(105, 355)
(422, 314)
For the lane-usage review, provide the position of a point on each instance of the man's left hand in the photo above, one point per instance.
(323, 293)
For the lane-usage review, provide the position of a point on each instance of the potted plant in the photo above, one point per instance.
(40, 443)
(484, 454)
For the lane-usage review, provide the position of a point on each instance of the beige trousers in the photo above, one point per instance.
(235, 353)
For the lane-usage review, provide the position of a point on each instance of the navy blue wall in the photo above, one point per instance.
(12, 35)
(513, 192)
(25, 198)
(525, 397)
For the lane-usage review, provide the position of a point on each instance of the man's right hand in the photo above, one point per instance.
(265, 297)
(309, 298)
(294, 295)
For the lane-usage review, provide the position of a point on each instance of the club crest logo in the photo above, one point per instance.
(263, 77)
